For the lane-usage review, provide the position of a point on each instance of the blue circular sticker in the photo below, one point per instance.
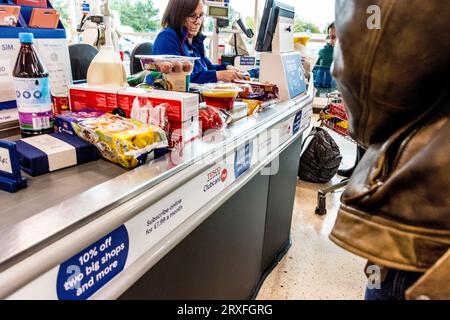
(37, 95)
(89, 270)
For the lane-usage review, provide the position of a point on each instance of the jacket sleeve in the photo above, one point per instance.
(430, 286)
(204, 76)
(216, 67)
(201, 77)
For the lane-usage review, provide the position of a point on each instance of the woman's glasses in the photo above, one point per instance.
(194, 18)
(331, 37)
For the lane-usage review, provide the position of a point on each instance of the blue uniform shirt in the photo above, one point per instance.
(168, 42)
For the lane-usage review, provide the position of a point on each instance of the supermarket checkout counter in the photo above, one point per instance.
(203, 222)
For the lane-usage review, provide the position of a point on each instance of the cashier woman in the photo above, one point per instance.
(183, 24)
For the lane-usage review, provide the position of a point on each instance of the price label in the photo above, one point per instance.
(11, 178)
(5, 161)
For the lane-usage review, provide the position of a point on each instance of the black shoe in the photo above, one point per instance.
(347, 173)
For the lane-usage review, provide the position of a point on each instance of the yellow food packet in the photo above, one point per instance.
(123, 141)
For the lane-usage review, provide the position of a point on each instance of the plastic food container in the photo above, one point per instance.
(176, 70)
(168, 63)
(220, 95)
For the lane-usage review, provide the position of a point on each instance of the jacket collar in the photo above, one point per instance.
(197, 40)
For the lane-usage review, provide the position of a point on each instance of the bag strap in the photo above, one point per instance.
(313, 132)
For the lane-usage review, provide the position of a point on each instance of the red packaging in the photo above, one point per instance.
(98, 98)
(223, 103)
(213, 118)
(44, 18)
(32, 3)
(182, 107)
(338, 110)
(60, 104)
(259, 90)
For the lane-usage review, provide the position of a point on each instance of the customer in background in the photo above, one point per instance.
(395, 211)
(323, 76)
(183, 23)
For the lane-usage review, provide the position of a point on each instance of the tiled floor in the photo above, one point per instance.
(314, 267)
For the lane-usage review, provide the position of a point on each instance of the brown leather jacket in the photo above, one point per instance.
(395, 80)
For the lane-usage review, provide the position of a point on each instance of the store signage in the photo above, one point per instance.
(54, 53)
(297, 122)
(90, 269)
(243, 157)
(8, 115)
(247, 61)
(7, 92)
(5, 161)
(6, 47)
(11, 178)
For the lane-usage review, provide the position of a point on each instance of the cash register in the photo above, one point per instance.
(279, 63)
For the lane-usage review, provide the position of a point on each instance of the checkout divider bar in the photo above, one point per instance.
(28, 271)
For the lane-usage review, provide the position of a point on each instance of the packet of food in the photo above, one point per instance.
(138, 78)
(126, 142)
(259, 90)
(255, 106)
(145, 111)
(212, 118)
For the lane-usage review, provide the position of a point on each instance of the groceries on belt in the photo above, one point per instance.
(126, 142)
(174, 71)
(213, 118)
(259, 91)
(220, 95)
(46, 153)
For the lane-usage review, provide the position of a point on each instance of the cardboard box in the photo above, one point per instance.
(103, 99)
(32, 3)
(51, 45)
(44, 18)
(47, 153)
(181, 133)
(9, 15)
(182, 106)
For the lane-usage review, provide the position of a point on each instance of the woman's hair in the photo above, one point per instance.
(331, 26)
(176, 13)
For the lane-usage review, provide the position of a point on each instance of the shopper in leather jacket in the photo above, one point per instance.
(395, 80)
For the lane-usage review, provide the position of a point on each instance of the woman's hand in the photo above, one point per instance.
(228, 75)
(230, 67)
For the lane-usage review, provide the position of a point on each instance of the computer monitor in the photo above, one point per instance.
(272, 11)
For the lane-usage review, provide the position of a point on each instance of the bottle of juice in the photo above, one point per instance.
(32, 90)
